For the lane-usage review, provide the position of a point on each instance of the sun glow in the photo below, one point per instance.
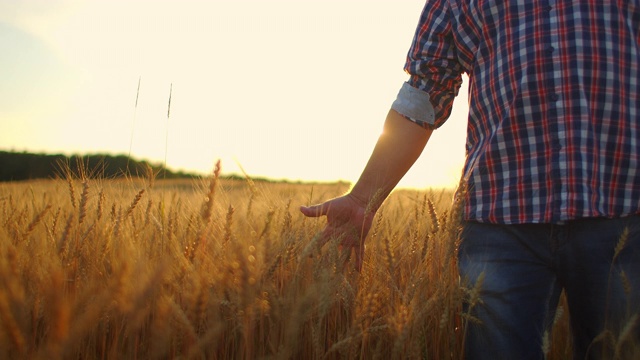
(288, 89)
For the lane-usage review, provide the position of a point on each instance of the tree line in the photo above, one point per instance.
(16, 166)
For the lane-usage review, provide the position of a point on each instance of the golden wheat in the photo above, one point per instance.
(183, 277)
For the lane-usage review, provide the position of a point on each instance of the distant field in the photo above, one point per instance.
(212, 269)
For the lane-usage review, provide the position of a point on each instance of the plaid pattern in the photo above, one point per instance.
(554, 121)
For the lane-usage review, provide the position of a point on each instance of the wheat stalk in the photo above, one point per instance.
(134, 203)
(84, 198)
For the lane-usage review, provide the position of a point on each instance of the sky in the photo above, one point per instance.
(287, 89)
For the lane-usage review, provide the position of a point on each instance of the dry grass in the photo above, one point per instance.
(93, 268)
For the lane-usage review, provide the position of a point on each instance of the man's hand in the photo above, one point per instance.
(348, 219)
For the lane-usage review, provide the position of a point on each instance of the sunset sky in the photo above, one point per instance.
(292, 90)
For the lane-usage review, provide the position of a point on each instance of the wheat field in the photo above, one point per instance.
(95, 268)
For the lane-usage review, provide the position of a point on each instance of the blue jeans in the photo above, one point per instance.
(521, 271)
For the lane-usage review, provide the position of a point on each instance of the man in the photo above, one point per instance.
(552, 198)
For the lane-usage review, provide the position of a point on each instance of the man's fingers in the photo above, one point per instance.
(315, 210)
(347, 243)
(326, 235)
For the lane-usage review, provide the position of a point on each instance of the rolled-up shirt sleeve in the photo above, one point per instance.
(414, 104)
(435, 73)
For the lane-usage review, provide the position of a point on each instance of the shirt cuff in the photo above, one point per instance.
(415, 105)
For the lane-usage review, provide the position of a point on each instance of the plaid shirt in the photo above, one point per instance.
(554, 97)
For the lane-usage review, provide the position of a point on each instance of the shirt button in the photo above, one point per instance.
(550, 50)
(548, 8)
(554, 97)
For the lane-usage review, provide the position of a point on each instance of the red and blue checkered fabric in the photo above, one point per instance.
(554, 97)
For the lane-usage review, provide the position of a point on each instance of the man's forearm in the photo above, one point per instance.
(397, 149)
